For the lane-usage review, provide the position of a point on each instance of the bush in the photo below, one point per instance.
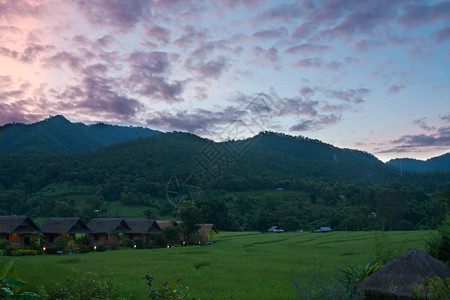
(61, 243)
(101, 248)
(84, 249)
(84, 286)
(440, 243)
(128, 243)
(168, 290)
(23, 252)
(161, 240)
(140, 243)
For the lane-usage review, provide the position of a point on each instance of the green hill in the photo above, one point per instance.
(58, 135)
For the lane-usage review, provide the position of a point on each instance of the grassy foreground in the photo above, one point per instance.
(241, 265)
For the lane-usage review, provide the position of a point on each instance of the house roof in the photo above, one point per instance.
(64, 225)
(17, 224)
(107, 225)
(204, 228)
(144, 226)
(163, 224)
(398, 277)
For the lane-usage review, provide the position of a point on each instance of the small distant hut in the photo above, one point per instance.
(322, 230)
(17, 229)
(146, 229)
(275, 229)
(397, 278)
(54, 227)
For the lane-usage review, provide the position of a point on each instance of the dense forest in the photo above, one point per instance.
(253, 184)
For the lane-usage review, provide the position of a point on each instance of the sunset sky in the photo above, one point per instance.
(372, 75)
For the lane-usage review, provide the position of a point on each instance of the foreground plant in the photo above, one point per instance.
(11, 284)
(355, 274)
(85, 287)
(435, 288)
(168, 290)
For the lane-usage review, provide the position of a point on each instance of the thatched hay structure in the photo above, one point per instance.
(397, 278)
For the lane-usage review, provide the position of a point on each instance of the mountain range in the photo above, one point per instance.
(57, 135)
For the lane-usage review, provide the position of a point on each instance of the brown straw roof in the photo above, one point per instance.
(397, 278)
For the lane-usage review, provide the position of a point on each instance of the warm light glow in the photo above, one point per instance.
(167, 246)
(43, 249)
(95, 248)
(134, 246)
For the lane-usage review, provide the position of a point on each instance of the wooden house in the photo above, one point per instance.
(54, 227)
(205, 228)
(146, 229)
(106, 231)
(17, 229)
(165, 223)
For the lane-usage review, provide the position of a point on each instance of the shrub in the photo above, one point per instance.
(128, 243)
(440, 243)
(61, 243)
(84, 249)
(355, 274)
(84, 286)
(4, 244)
(161, 240)
(23, 252)
(139, 242)
(11, 284)
(168, 290)
(435, 288)
(101, 248)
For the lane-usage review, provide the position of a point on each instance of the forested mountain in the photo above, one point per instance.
(270, 179)
(58, 135)
(414, 165)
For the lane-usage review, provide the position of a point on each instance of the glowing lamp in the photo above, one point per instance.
(134, 246)
(95, 248)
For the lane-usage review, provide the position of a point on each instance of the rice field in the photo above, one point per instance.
(240, 265)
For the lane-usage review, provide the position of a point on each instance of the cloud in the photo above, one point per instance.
(158, 33)
(117, 13)
(96, 96)
(415, 15)
(442, 36)
(366, 44)
(422, 124)
(200, 121)
(307, 48)
(148, 63)
(64, 58)
(270, 54)
(282, 12)
(307, 63)
(303, 30)
(350, 95)
(276, 33)
(211, 68)
(190, 36)
(394, 89)
(316, 124)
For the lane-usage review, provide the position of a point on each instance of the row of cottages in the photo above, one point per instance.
(18, 229)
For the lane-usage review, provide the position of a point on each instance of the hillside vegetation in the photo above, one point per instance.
(234, 183)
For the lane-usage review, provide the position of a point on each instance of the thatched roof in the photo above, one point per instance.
(64, 225)
(204, 228)
(397, 277)
(164, 224)
(108, 225)
(144, 226)
(17, 224)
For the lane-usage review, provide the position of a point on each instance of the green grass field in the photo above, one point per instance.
(241, 265)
